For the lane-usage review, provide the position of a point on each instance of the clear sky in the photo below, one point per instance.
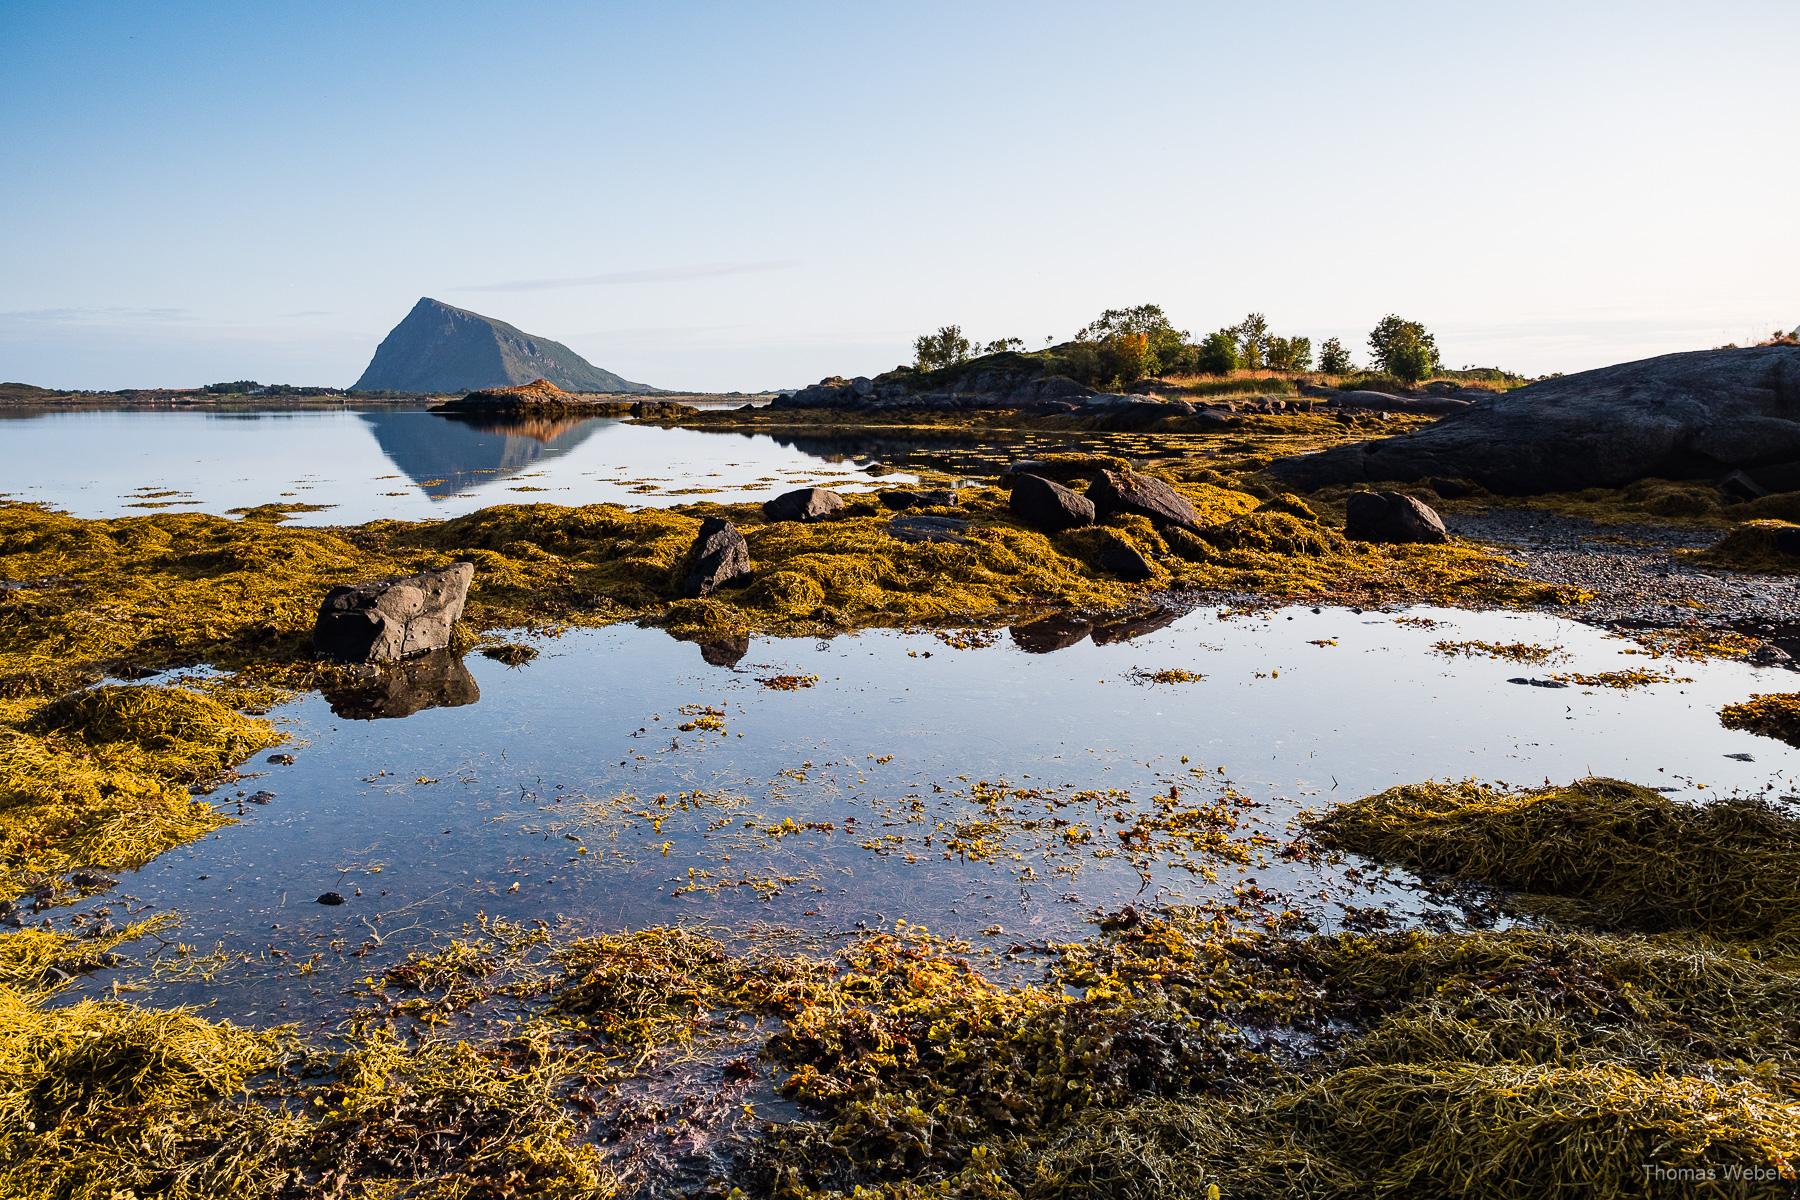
(744, 195)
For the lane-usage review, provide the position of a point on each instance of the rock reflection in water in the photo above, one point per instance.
(726, 651)
(1059, 631)
(435, 680)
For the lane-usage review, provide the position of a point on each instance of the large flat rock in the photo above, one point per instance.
(1679, 416)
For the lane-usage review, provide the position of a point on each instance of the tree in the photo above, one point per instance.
(1218, 353)
(1162, 341)
(1289, 353)
(1252, 335)
(1002, 345)
(1334, 359)
(1404, 349)
(1410, 361)
(945, 348)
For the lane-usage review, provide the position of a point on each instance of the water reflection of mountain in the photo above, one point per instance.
(445, 453)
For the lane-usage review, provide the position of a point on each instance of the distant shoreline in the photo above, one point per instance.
(15, 397)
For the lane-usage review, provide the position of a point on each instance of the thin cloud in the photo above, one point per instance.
(647, 275)
(98, 316)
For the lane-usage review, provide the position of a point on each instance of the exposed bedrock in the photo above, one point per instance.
(1679, 416)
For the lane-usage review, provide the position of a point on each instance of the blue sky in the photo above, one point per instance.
(750, 195)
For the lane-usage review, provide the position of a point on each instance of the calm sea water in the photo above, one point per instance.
(565, 790)
(1001, 787)
(385, 462)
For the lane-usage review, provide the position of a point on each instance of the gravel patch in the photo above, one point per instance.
(1634, 571)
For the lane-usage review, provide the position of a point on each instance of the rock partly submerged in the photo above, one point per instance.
(541, 398)
(1679, 416)
(386, 620)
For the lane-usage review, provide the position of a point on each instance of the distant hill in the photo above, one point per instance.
(438, 348)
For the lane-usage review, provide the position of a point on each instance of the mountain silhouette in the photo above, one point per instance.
(440, 348)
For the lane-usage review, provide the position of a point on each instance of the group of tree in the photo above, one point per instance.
(1123, 345)
(1251, 346)
(949, 347)
(1404, 349)
(250, 387)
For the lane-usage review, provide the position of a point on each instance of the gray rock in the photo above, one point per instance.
(923, 527)
(1049, 507)
(803, 504)
(1682, 416)
(1114, 492)
(718, 558)
(901, 499)
(386, 620)
(1384, 402)
(1391, 517)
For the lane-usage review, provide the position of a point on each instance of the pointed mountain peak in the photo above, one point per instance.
(441, 348)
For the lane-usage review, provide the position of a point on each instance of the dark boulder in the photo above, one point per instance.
(1114, 492)
(1138, 414)
(386, 620)
(923, 527)
(803, 504)
(1679, 416)
(1049, 507)
(1119, 557)
(718, 558)
(1758, 482)
(1391, 517)
(901, 499)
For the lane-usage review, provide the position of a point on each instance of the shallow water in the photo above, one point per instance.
(372, 463)
(508, 802)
